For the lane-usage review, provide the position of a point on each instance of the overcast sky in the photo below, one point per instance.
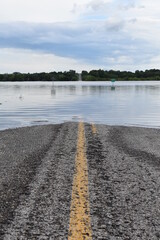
(48, 35)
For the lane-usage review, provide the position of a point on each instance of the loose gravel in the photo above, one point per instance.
(124, 182)
(40, 208)
(36, 174)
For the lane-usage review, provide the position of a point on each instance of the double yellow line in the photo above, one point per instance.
(80, 223)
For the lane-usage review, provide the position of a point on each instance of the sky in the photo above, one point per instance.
(50, 35)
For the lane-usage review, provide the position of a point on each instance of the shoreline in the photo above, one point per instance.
(122, 80)
(101, 124)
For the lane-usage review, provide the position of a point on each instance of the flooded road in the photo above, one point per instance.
(121, 103)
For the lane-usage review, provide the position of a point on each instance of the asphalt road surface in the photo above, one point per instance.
(78, 181)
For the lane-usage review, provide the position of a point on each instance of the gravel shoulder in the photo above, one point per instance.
(36, 174)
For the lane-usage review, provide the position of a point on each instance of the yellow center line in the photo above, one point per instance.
(80, 224)
(94, 130)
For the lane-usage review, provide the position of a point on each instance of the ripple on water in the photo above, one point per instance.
(128, 103)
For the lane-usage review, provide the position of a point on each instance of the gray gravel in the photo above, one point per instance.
(36, 174)
(38, 204)
(21, 152)
(124, 182)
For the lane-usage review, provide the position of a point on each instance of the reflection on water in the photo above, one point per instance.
(53, 91)
(113, 88)
(121, 103)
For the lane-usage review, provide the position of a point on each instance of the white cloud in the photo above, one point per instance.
(89, 31)
(96, 5)
(13, 60)
(36, 10)
(154, 62)
(120, 62)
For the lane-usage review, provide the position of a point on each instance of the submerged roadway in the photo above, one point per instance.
(76, 181)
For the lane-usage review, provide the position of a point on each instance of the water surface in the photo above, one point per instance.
(121, 103)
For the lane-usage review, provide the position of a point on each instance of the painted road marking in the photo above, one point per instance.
(80, 224)
(94, 130)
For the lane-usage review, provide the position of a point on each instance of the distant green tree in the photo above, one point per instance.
(93, 75)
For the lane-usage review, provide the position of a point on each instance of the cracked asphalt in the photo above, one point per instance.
(37, 165)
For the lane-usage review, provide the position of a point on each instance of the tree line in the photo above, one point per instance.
(93, 75)
(102, 75)
(52, 76)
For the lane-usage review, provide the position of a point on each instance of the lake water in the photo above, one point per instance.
(121, 103)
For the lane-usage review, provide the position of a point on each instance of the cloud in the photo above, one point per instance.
(36, 11)
(127, 5)
(114, 25)
(96, 5)
(88, 41)
(106, 8)
(68, 40)
(21, 60)
(104, 33)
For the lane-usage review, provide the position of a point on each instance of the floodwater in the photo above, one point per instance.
(121, 103)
